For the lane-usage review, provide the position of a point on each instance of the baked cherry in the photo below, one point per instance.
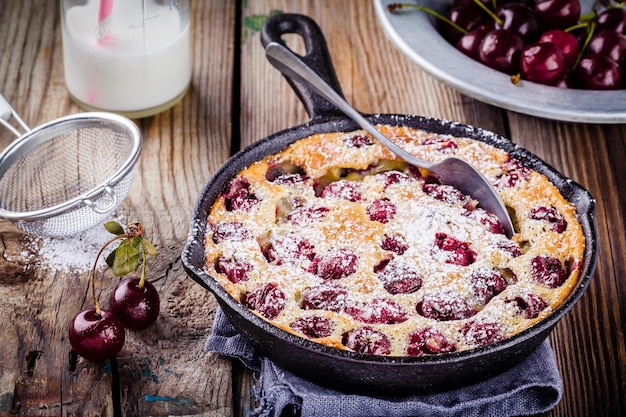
(135, 303)
(335, 264)
(400, 278)
(446, 193)
(456, 252)
(346, 190)
(313, 326)
(530, 305)
(285, 173)
(289, 250)
(238, 195)
(367, 340)
(230, 231)
(358, 141)
(556, 220)
(444, 306)
(487, 219)
(268, 299)
(377, 311)
(482, 332)
(393, 177)
(324, 297)
(302, 215)
(487, 284)
(513, 172)
(394, 243)
(96, 335)
(235, 270)
(548, 271)
(428, 341)
(381, 210)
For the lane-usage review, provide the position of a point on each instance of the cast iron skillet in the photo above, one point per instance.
(345, 370)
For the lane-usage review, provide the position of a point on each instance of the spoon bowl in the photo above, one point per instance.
(451, 171)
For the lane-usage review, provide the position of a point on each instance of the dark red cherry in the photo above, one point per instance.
(613, 19)
(428, 341)
(368, 341)
(500, 49)
(543, 63)
(557, 14)
(335, 264)
(96, 337)
(519, 18)
(268, 299)
(599, 72)
(467, 18)
(610, 44)
(469, 43)
(548, 271)
(313, 326)
(565, 41)
(482, 332)
(137, 308)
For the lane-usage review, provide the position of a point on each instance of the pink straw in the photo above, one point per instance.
(103, 30)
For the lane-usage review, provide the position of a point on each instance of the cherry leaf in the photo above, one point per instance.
(114, 228)
(150, 249)
(126, 257)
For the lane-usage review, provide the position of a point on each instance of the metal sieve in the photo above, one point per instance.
(67, 175)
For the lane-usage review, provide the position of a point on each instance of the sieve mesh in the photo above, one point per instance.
(68, 175)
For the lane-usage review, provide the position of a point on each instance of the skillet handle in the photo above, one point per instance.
(317, 58)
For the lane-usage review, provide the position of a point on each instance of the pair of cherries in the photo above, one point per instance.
(98, 334)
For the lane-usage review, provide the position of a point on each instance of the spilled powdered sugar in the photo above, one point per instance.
(75, 253)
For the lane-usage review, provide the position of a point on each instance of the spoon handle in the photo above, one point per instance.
(288, 63)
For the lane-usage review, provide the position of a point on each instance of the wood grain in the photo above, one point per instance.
(237, 97)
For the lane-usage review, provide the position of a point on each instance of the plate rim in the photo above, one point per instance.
(413, 34)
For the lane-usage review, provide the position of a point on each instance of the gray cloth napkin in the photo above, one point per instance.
(532, 387)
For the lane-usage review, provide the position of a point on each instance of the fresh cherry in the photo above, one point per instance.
(543, 63)
(519, 18)
(599, 72)
(611, 44)
(136, 306)
(565, 41)
(613, 19)
(557, 14)
(96, 334)
(500, 49)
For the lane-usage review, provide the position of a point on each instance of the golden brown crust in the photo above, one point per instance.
(271, 250)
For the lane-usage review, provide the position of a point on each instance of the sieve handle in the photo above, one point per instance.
(6, 111)
(103, 210)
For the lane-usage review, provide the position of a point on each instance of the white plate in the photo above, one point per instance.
(413, 33)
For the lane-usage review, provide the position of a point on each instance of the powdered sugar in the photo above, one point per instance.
(77, 253)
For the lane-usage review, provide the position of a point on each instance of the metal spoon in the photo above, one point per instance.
(451, 171)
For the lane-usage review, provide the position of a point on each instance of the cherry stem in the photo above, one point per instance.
(144, 262)
(590, 30)
(489, 12)
(93, 272)
(396, 6)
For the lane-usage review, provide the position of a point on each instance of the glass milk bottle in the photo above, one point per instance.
(131, 57)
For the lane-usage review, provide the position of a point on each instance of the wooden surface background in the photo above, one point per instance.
(235, 99)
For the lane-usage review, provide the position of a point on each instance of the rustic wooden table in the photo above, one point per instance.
(235, 99)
